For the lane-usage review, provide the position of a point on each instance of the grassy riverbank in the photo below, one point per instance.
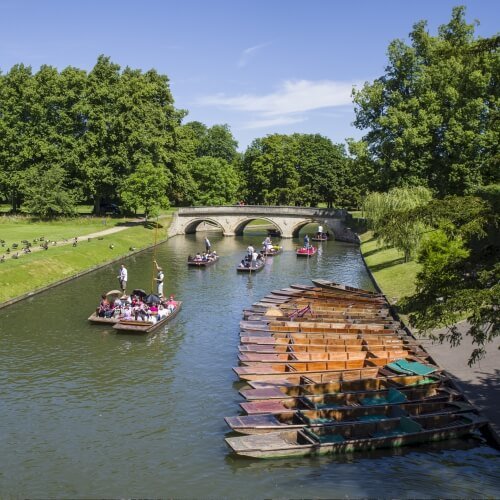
(395, 277)
(42, 268)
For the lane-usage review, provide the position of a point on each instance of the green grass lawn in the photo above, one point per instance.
(395, 277)
(14, 229)
(23, 275)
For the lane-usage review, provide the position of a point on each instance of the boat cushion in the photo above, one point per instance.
(411, 367)
(394, 396)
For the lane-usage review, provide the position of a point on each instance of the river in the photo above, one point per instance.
(88, 413)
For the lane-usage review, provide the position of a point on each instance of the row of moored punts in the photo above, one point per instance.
(330, 370)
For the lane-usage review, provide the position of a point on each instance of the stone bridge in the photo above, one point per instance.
(287, 220)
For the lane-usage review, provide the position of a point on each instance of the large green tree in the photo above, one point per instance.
(460, 277)
(217, 181)
(432, 118)
(146, 188)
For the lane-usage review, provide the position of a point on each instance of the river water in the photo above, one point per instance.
(88, 413)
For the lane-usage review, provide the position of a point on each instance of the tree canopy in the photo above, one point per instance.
(432, 118)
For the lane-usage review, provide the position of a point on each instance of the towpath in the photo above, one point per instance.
(481, 382)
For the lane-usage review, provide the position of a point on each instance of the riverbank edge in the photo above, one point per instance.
(492, 430)
(27, 295)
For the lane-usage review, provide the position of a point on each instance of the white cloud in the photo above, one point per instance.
(291, 97)
(273, 122)
(247, 53)
(282, 106)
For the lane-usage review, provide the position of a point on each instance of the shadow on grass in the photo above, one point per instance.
(385, 265)
(372, 252)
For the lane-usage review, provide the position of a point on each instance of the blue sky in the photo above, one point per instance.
(261, 66)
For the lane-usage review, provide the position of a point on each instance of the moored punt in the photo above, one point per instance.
(306, 252)
(271, 422)
(316, 326)
(331, 285)
(202, 263)
(345, 438)
(306, 358)
(291, 377)
(132, 326)
(98, 320)
(285, 370)
(360, 385)
(337, 400)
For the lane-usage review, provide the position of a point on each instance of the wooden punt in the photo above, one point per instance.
(314, 327)
(369, 384)
(131, 326)
(304, 358)
(341, 346)
(320, 238)
(315, 419)
(252, 269)
(346, 438)
(336, 400)
(285, 370)
(202, 263)
(97, 320)
(331, 285)
(306, 252)
(275, 251)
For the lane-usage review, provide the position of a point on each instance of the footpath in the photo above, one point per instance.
(481, 382)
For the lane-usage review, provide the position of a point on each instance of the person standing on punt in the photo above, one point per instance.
(122, 278)
(207, 245)
(160, 276)
(306, 241)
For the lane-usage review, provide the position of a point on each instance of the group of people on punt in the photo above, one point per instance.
(134, 308)
(203, 257)
(267, 246)
(252, 258)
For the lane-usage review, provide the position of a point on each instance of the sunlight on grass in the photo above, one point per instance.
(395, 278)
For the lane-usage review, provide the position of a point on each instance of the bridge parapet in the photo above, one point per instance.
(253, 210)
(233, 219)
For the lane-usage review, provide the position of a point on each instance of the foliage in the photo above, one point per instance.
(387, 214)
(432, 118)
(146, 187)
(217, 181)
(299, 169)
(45, 194)
(460, 276)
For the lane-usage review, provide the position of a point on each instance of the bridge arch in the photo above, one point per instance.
(240, 226)
(193, 224)
(296, 229)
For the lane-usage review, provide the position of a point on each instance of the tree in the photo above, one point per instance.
(219, 142)
(387, 214)
(432, 118)
(17, 96)
(45, 193)
(322, 169)
(460, 276)
(217, 181)
(146, 188)
(270, 169)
